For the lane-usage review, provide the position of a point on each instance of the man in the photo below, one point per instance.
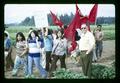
(7, 51)
(86, 45)
(99, 38)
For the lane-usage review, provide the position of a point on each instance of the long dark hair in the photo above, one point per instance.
(62, 32)
(36, 34)
(22, 35)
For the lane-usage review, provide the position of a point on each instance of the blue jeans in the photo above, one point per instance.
(37, 64)
(99, 48)
(20, 61)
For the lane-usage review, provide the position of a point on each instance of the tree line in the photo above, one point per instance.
(66, 19)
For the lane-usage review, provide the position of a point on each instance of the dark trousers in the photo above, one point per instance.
(86, 62)
(9, 63)
(99, 48)
(54, 61)
(48, 60)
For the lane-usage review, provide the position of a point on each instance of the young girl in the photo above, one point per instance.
(34, 54)
(21, 57)
(59, 51)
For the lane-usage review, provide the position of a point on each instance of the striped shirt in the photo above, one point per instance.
(33, 46)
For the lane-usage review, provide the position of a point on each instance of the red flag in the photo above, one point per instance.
(78, 11)
(93, 14)
(84, 20)
(56, 21)
(70, 31)
(88, 24)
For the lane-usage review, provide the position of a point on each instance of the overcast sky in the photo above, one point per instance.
(15, 13)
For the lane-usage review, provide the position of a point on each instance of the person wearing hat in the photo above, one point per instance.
(86, 45)
(7, 51)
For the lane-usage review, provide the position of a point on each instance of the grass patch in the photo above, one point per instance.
(109, 30)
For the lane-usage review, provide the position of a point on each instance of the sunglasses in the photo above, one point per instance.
(83, 28)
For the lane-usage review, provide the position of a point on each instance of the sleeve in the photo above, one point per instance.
(38, 42)
(27, 44)
(65, 43)
(51, 39)
(102, 35)
(91, 40)
(54, 46)
(66, 46)
(8, 44)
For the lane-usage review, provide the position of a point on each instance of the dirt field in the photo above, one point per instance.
(107, 58)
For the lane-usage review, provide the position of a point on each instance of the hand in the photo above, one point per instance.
(20, 55)
(36, 39)
(51, 53)
(87, 53)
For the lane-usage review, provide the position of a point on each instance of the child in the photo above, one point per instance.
(21, 57)
(33, 44)
(59, 51)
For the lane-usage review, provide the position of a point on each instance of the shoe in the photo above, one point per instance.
(27, 76)
(50, 75)
(14, 73)
(95, 61)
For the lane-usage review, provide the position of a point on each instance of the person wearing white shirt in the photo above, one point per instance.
(86, 45)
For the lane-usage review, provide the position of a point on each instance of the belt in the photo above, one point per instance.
(83, 50)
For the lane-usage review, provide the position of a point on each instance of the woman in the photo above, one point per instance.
(21, 57)
(48, 44)
(59, 51)
(34, 54)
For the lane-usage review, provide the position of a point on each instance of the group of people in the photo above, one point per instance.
(45, 47)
